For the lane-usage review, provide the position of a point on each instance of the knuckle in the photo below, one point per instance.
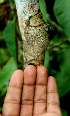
(53, 103)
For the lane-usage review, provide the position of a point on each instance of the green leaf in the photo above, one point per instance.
(64, 112)
(3, 91)
(9, 34)
(64, 57)
(4, 56)
(46, 60)
(1, 35)
(43, 9)
(61, 11)
(7, 71)
(1, 1)
(63, 82)
(1, 109)
(63, 77)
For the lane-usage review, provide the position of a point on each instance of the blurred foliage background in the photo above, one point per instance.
(57, 55)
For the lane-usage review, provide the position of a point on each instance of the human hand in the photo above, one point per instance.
(32, 93)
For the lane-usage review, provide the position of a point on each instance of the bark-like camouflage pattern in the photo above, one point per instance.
(34, 32)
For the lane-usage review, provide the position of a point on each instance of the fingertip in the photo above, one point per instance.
(30, 69)
(17, 78)
(52, 84)
(42, 69)
(18, 72)
(51, 78)
(30, 74)
(42, 75)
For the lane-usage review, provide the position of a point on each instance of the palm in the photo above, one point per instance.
(29, 98)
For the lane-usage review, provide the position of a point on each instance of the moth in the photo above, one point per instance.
(34, 32)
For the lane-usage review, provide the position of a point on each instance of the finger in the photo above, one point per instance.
(28, 91)
(53, 104)
(13, 97)
(40, 91)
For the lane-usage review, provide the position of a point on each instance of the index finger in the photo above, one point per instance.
(13, 96)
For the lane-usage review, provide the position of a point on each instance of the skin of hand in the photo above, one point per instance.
(32, 93)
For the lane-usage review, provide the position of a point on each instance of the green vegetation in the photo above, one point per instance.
(57, 55)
